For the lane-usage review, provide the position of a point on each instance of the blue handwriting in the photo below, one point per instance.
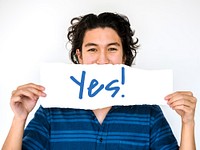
(95, 87)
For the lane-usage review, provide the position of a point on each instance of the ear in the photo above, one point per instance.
(79, 56)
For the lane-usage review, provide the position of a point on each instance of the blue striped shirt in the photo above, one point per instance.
(140, 127)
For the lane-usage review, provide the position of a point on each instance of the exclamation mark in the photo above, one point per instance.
(123, 78)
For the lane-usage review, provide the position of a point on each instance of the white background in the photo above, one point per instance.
(35, 31)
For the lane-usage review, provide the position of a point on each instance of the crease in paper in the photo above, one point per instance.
(70, 86)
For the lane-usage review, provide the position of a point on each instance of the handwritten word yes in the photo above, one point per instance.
(111, 86)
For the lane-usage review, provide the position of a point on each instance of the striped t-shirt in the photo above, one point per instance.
(138, 127)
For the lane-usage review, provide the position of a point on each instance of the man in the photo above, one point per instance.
(103, 39)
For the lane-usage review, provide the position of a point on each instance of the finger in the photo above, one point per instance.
(177, 97)
(30, 92)
(184, 108)
(22, 94)
(189, 93)
(15, 99)
(38, 87)
(182, 102)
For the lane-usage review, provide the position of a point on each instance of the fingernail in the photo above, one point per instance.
(44, 94)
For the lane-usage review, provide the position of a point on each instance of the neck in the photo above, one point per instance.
(101, 113)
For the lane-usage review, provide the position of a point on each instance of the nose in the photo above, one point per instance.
(103, 58)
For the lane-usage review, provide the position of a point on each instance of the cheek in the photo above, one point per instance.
(88, 60)
(116, 60)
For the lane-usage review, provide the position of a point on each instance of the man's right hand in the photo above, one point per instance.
(24, 99)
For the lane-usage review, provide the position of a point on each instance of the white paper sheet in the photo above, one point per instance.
(76, 86)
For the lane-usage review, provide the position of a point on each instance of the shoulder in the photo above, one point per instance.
(150, 109)
(154, 111)
(147, 111)
(55, 112)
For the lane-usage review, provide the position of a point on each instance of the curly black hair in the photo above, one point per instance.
(119, 23)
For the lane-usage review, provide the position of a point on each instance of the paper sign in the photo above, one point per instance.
(98, 86)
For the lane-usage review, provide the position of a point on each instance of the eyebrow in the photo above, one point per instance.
(114, 43)
(110, 44)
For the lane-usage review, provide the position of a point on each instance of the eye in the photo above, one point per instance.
(92, 50)
(112, 49)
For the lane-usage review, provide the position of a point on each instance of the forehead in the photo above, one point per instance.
(101, 35)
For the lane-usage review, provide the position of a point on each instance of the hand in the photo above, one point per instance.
(24, 99)
(184, 103)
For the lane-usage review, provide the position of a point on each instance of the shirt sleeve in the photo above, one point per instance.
(36, 134)
(162, 137)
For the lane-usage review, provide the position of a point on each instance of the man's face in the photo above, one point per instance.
(101, 46)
